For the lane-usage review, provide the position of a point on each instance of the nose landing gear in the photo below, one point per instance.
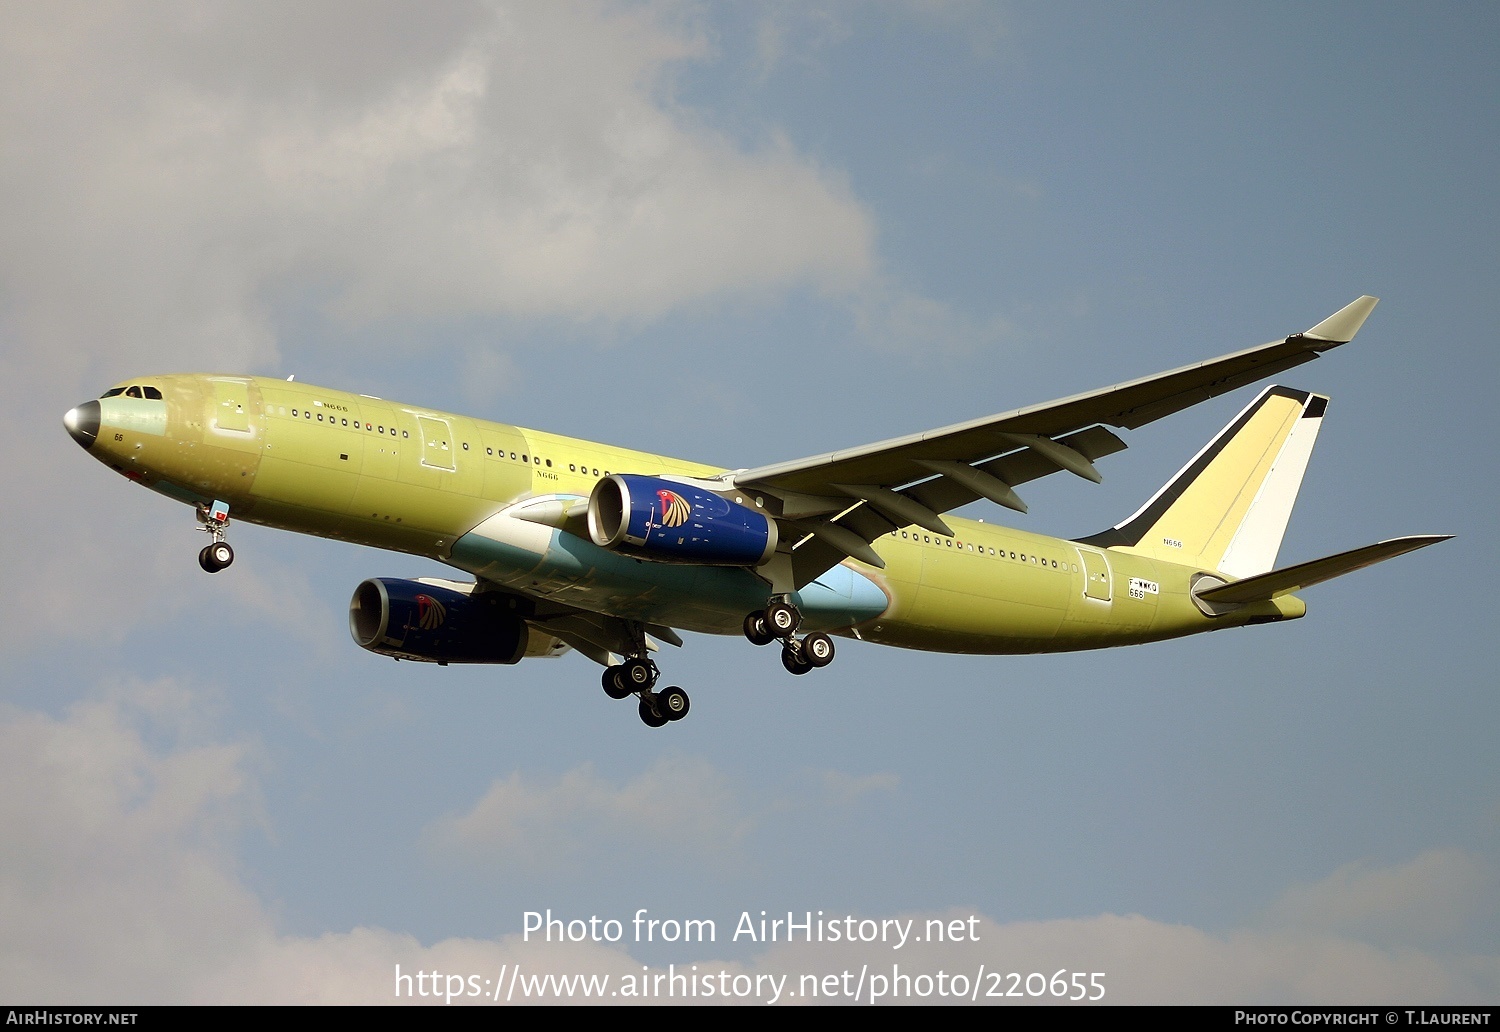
(779, 622)
(215, 522)
(215, 557)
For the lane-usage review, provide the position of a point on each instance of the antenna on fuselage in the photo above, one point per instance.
(289, 379)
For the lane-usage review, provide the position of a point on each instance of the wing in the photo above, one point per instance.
(839, 502)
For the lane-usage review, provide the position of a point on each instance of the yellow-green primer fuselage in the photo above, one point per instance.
(356, 468)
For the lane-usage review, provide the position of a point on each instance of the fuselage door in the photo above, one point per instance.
(232, 406)
(437, 443)
(1095, 574)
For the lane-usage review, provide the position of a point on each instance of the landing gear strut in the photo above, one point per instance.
(638, 676)
(779, 622)
(215, 522)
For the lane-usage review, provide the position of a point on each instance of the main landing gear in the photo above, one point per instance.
(638, 676)
(215, 522)
(779, 622)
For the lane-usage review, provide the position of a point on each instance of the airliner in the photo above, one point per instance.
(578, 546)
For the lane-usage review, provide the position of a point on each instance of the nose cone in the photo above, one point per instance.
(82, 422)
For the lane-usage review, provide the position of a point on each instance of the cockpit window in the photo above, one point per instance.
(134, 391)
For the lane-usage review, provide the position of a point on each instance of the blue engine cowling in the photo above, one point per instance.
(670, 522)
(432, 624)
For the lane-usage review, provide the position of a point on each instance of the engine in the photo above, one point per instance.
(430, 623)
(672, 522)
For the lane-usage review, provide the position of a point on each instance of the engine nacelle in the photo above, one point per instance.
(670, 522)
(434, 624)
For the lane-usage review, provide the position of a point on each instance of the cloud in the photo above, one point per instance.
(172, 173)
(1136, 960)
(119, 883)
(679, 803)
(799, 32)
(117, 873)
(843, 789)
(983, 26)
(894, 319)
(1434, 897)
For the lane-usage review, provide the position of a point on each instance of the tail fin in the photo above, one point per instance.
(1228, 508)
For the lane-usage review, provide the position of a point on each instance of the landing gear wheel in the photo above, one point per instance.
(782, 618)
(612, 686)
(817, 649)
(215, 557)
(649, 713)
(757, 631)
(792, 659)
(672, 703)
(638, 675)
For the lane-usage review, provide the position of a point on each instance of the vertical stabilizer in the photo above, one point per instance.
(1228, 508)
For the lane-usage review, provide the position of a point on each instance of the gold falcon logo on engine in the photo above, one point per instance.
(430, 612)
(675, 509)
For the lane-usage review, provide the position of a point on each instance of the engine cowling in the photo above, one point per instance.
(671, 522)
(433, 624)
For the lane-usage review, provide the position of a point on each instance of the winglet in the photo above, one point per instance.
(1341, 326)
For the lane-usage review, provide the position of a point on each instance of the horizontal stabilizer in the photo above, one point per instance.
(1303, 575)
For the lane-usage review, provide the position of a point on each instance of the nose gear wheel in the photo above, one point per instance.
(215, 557)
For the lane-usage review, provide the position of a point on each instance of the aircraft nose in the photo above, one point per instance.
(82, 422)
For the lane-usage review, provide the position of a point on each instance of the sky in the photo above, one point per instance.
(741, 234)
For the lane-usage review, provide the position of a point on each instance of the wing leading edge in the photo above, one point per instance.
(839, 502)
